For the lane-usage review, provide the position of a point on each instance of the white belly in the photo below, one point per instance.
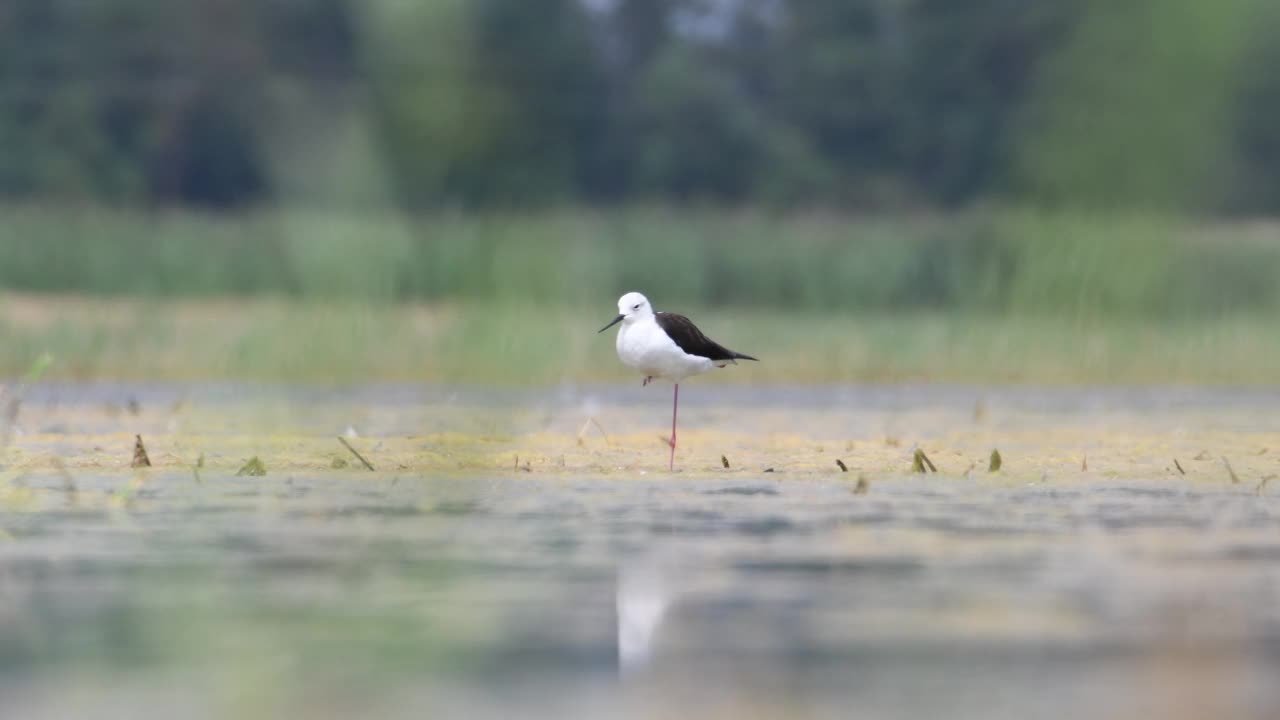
(646, 348)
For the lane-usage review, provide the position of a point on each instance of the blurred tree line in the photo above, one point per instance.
(854, 103)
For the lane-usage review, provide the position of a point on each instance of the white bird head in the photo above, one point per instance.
(631, 307)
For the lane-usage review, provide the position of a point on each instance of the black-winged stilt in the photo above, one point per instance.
(667, 346)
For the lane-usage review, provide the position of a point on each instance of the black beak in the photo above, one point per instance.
(613, 322)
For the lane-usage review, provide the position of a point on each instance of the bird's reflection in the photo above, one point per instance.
(644, 594)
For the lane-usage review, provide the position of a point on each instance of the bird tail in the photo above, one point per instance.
(740, 356)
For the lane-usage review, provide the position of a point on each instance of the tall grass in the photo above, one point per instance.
(1068, 264)
(518, 344)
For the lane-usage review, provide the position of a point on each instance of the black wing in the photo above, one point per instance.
(690, 339)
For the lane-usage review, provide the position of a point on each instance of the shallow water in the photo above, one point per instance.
(565, 592)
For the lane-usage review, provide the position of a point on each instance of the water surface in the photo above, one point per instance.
(558, 592)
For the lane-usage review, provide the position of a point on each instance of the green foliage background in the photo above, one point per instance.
(1065, 157)
(863, 104)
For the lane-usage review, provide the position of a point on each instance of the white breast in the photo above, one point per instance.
(644, 346)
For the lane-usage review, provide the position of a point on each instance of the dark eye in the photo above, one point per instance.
(636, 306)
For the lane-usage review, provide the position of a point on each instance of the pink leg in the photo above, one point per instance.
(675, 407)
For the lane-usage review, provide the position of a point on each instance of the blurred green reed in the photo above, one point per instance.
(504, 343)
(1074, 264)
